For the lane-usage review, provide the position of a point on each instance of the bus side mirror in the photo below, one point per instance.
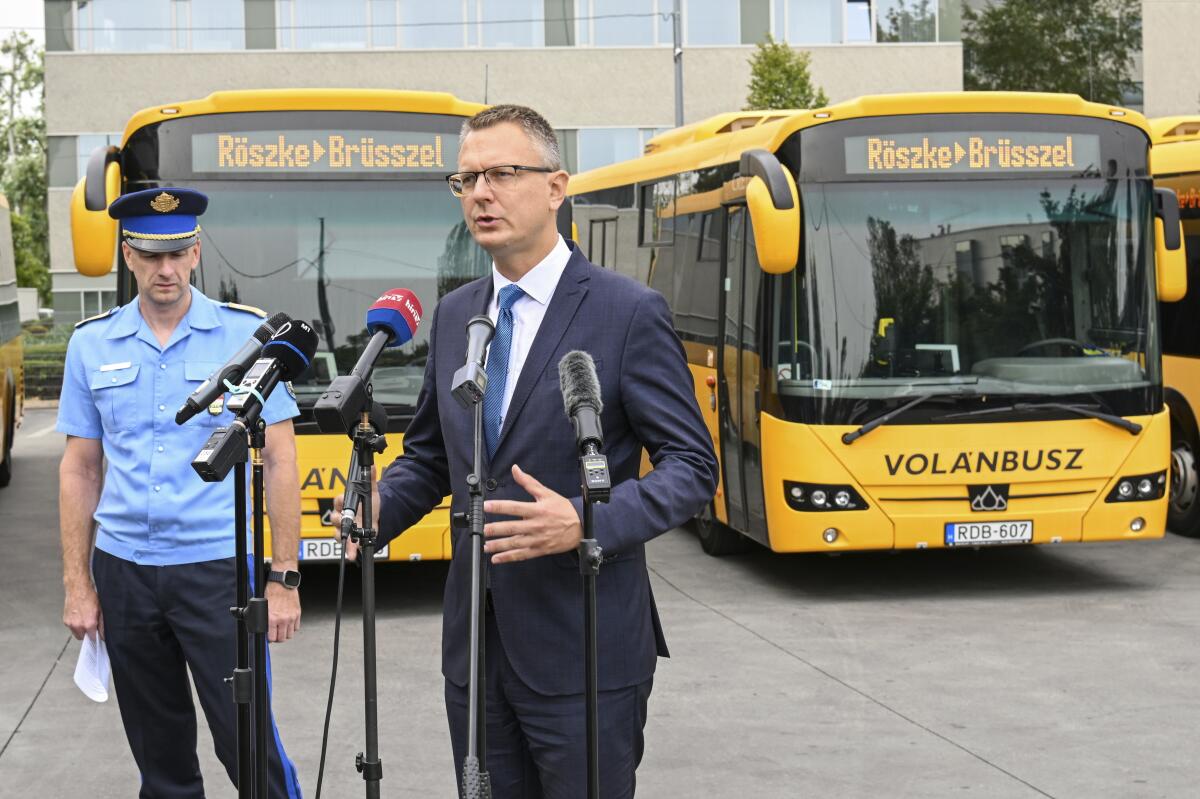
(774, 206)
(1169, 255)
(93, 231)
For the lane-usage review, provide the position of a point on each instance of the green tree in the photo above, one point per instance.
(779, 78)
(23, 158)
(1084, 47)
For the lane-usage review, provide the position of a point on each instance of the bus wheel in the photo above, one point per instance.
(6, 470)
(1183, 512)
(715, 538)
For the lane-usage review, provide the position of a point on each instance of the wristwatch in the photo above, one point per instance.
(289, 578)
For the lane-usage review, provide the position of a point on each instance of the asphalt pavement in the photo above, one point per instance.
(1026, 672)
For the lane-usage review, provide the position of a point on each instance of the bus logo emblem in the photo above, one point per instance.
(988, 497)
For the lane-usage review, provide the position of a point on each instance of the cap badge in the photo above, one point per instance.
(164, 203)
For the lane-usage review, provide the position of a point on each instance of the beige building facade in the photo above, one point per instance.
(1170, 31)
(600, 70)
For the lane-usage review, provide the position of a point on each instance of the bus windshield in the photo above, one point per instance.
(985, 287)
(323, 252)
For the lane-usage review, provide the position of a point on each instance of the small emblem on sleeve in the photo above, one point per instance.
(165, 203)
(291, 391)
(217, 406)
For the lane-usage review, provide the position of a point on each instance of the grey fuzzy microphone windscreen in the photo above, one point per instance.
(578, 381)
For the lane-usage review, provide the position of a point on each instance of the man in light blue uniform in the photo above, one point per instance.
(158, 540)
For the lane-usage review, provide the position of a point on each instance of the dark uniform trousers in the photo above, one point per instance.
(159, 622)
(537, 745)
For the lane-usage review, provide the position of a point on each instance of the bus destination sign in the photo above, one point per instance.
(965, 152)
(325, 152)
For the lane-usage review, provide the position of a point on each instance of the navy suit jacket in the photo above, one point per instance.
(649, 402)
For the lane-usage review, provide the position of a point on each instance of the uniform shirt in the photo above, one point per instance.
(538, 284)
(121, 387)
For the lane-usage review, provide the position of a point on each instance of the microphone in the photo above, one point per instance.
(285, 356)
(392, 320)
(470, 381)
(581, 398)
(232, 371)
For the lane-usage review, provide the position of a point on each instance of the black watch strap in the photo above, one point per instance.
(289, 578)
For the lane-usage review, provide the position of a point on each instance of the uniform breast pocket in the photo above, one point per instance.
(195, 373)
(115, 393)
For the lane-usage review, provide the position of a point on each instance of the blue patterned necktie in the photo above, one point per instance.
(497, 365)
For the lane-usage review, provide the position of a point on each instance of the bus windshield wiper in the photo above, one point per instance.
(1133, 428)
(879, 421)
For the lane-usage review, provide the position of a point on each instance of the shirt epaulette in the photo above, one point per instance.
(104, 315)
(259, 312)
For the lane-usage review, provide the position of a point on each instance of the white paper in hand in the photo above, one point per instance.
(92, 669)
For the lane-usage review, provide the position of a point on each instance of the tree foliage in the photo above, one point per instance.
(779, 78)
(23, 158)
(1084, 47)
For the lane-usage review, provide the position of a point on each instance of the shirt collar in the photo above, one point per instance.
(541, 281)
(201, 315)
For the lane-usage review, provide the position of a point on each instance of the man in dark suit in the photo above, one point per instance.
(546, 300)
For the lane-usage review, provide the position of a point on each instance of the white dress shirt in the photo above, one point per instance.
(538, 284)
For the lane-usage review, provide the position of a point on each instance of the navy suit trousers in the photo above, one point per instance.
(537, 745)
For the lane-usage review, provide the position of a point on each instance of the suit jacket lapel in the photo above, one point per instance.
(567, 296)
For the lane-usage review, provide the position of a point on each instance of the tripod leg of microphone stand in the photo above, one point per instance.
(369, 764)
(241, 681)
(261, 617)
(589, 566)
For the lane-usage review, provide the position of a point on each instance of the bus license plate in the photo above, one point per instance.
(328, 549)
(960, 534)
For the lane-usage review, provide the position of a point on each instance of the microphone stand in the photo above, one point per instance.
(367, 443)
(249, 682)
(258, 610)
(476, 783)
(597, 487)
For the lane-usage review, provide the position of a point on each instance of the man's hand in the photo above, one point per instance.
(81, 612)
(283, 609)
(546, 526)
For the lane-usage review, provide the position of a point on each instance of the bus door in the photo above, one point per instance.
(739, 369)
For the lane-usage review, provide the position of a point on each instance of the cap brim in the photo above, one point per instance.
(160, 245)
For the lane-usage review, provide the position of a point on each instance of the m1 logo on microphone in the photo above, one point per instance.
(397, 312)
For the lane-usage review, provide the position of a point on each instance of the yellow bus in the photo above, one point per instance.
(1176, 165)
(914, 321)
(12, 370)
(320, 201)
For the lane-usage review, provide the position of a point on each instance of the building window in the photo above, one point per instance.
(105, 26)
(590, 148)
(712, 22)
(211, 24)
(808, 21)
(619, 23)
(858, 21)
(322, 24)
(905, 21)
(512, 23)
(139, 26)
(426, 25)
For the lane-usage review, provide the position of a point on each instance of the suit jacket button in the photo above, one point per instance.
(491, 484)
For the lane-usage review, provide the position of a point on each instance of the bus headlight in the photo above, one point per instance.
(1139, 488)
(822, 497)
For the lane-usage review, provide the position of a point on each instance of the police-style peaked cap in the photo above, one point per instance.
(159, 220)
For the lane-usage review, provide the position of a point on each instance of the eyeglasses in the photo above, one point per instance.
(498, 177)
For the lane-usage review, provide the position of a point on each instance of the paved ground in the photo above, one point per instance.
(1064, 672)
